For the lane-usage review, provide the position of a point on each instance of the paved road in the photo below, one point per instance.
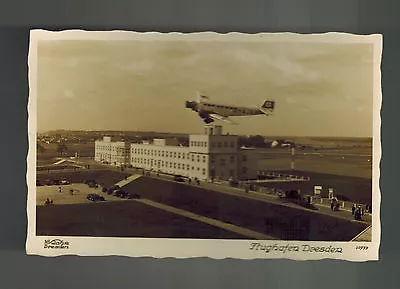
(216, 223)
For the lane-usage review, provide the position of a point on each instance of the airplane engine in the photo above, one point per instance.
(206, 117)
(191, 104)
(203, 114)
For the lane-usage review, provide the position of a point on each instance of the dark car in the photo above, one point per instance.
(234, 183)
(179, 179)
(65, 182)
(120, 193)
(95, 198)
(91, 183)
(294, 195)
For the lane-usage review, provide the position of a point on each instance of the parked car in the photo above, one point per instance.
(91, 183)
(233, 183)
(65, 182)
(179, 179)
(95, 197)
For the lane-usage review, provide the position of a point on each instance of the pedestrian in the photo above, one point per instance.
(353, 209)
(190, 181)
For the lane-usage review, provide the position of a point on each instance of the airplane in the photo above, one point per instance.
(210, 111)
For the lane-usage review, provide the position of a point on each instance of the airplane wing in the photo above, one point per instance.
(222, 118)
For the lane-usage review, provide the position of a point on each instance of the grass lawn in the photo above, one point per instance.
(121, 219)
(278, 221)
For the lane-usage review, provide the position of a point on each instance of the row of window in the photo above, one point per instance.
(219, 144)
(166, 164)
(151, 152)
(109, 148)
(225, 106)
(198, 143)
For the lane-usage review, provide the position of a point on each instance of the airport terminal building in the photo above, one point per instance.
(115, 153)
(209, 156)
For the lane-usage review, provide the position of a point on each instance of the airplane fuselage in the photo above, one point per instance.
(222, 109)
(210, 111)
(228, 110)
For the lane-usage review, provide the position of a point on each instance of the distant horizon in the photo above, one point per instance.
(188, 133)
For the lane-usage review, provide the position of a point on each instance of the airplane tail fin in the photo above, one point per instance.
(268, 106)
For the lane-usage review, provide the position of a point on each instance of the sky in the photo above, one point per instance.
(320, 89)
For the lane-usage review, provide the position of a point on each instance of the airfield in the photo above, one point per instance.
(168, 209)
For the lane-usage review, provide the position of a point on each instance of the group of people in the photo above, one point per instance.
(196, 181)
(359, 211)
(48, 202)
(334, 204)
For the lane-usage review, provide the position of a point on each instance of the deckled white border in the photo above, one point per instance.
(188, 248)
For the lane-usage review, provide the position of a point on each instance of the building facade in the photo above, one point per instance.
(209, 156)
(109, 152)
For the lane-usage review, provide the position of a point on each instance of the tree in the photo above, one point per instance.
(40, 148)
(61, 148)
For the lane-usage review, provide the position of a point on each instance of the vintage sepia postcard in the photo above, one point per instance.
(204, 145)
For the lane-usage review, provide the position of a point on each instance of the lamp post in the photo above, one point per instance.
(292, 162)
